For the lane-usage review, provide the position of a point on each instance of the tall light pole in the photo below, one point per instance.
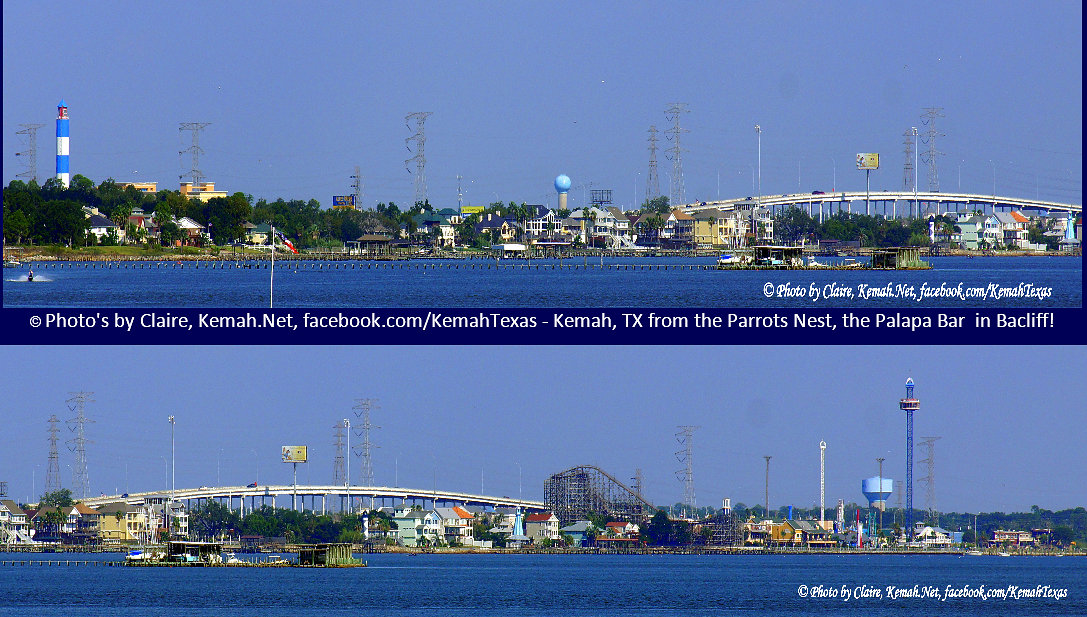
(758, 198)
(173, 475)
(991, 162)
(960, 174)
(834, 175)
(767, 495)
(880, 480)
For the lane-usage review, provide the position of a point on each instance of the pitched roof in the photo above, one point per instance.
(462, 512)
(97, 220)
(681, 215)
(539, 518)
(83, 508)
(114, 508)
(577, 527)
(12, 506)
(1019, 218)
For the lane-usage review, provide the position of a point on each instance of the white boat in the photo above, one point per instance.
(974, 553)
(849, 262)
(232, 559)
(1004, 554)
(728, 260)
(12, 263)
(813, 263)
(136, 555)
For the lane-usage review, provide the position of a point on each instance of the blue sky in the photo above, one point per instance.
(298, 94)
(1010, 418)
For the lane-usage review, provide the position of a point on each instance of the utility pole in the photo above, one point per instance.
(676, 192)
(909, 179)
(356, 184)
(929, 119)
(420, 159)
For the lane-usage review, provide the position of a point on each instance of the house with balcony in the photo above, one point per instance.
(542, 526)
(1012, 538)
(415, 527)
(456, 525)
(14, 527)
(121, 522)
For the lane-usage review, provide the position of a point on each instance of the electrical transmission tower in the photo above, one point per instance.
(908, 176)
(363, 407)
(685, 437)
(676, 192)
(930, 478)
(339, 476)
(652, 181)
(356, 184)
(30, 152)
(52, 474)
(78, 444)
(420, 160)
(194, 150)
(929, 156)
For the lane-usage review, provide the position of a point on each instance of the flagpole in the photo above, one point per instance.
(272, 270)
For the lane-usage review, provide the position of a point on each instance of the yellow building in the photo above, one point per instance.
(122, 522)
(143, 187)
(203, 192)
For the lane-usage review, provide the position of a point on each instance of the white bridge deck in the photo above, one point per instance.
(883, 197)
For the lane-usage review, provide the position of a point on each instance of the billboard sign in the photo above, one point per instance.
(469, 210)
(294, 454)
(343, 201)
(868, 160)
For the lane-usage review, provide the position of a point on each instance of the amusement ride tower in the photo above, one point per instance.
(909, 405)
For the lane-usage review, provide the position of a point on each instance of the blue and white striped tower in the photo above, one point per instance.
(62, 144)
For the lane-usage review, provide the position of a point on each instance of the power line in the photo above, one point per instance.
(52, 474)
(929, 157)
(685, 437)
(930, 478)
(339, 477)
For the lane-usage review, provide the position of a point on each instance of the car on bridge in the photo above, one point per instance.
(251, 485)
(818, 193)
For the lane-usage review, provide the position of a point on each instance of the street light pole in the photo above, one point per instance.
(173, 475)
(915, 171)
(758, 198)
(834, 176)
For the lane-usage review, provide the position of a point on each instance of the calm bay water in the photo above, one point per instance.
(536, 585)
(534, 284)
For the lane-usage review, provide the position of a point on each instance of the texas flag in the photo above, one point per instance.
(284, 239)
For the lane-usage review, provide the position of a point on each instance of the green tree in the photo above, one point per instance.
(60, 498)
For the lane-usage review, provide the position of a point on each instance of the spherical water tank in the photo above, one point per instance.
(562, 183)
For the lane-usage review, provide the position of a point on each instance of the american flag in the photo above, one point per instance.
(284, 239)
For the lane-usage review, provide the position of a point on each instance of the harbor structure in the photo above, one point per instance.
(909, 405)
(62, 144)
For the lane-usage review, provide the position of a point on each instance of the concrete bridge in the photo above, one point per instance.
(320, 498)
(892, 203)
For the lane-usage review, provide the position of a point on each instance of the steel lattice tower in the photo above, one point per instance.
(907, 167)
(420, 159)
(30, 154)
(909, 405)
(685, 437)
(78, 444)
(929, 157)
(194, 150)
(930, 478)
(652, 180)
(52, 474)
(356, 184)
(363, 407)
(339, 476)
(638, 483)
(676, 192)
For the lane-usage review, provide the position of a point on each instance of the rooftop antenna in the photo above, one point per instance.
(78, 444)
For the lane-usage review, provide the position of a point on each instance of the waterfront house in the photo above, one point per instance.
(623, 229)
(258, 234)
(456, 525)
(578, 532)
(123, 523)
(496, 228)
(1012, 538)
(14, 527)
(619, 529)
(1013, 227)
(757, 532)
(192, 233)
(543, 526)
(100, 227)
(933, 537)
(414, 527)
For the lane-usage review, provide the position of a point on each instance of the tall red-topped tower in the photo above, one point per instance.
(909, 405)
